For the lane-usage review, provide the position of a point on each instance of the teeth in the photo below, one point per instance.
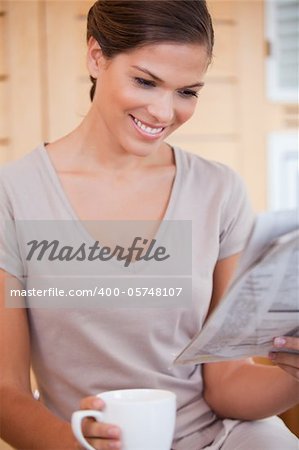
(148, 130)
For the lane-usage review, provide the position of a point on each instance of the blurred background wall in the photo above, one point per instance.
(44, 88)
(247, 115)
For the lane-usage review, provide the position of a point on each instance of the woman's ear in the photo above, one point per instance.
(95, 57)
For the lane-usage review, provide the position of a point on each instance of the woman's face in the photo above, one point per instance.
(144, 95)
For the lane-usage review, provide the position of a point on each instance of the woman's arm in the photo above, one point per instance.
(248, 391)
(24, 422)
(242, 389)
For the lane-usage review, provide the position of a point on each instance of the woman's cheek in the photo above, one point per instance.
(187, 112)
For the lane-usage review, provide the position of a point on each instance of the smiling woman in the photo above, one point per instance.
(147, 61)
(137, 114)
(152, 87)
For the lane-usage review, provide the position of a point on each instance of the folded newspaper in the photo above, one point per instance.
(262, 301)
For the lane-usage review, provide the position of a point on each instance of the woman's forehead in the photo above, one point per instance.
(164, 58)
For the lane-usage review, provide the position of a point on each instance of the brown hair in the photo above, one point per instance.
(122, 25)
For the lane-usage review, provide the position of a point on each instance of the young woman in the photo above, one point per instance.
(147, 61)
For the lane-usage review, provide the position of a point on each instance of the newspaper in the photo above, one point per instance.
(262, 301)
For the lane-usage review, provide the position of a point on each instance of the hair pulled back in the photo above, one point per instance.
(123, 25)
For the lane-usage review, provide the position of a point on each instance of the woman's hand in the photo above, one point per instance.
(286, 361)
(101, 436)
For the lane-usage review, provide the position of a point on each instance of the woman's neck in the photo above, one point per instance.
(91, 146)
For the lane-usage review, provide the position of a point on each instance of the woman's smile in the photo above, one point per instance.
(147, 131)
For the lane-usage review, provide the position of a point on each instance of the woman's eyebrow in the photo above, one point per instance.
(144, 70)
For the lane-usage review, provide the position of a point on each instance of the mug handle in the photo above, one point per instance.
(76, 422)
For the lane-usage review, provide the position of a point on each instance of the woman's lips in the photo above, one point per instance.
(146, 130)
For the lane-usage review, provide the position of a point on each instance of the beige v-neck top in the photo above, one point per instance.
(81, 352)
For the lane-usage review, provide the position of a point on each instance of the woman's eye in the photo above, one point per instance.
(143, 82)
(187, 93)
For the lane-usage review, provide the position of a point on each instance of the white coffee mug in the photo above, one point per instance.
(146, 418)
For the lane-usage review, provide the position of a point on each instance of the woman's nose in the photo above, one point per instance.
(162, 109)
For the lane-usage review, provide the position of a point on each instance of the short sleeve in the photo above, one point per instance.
(10, 259)
(237, 218)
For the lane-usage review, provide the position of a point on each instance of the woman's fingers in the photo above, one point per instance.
(286, 342)
(92, 403)
(93, 429)
(104, 444)
(100, 435)
(288, 361)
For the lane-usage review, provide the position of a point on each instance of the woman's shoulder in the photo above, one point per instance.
(203, 170)
(21, 179)
(21, 167)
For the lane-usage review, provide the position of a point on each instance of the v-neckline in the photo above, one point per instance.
(80, 223)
